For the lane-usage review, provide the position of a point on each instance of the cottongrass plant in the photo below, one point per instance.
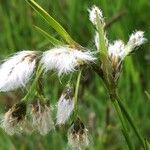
(63, 59)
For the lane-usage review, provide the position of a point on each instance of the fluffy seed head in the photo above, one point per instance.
(116, 50)
(17, 70)
(41, 118)
(136, 39)
(65, 59)
(65, 106)
(13, 121)
(77, 136)
(95, 12)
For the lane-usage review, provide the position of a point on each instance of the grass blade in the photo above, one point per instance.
(52, 40)
(53, 23)
(123, 108)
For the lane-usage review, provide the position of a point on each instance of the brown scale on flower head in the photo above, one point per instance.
(116, 65)
(76, 46)
(78, 136)
(19, 111)
(39, 106)
(78, 129)
(68, 93)
(30, 57)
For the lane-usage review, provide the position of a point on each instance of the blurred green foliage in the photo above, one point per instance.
(17, 33)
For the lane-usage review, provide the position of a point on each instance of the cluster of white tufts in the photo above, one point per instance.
(64, 59)
(17, 120)
(119, 50)
(17, 70)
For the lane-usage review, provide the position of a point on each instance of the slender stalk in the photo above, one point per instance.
(76, 93)
(130, 120)
(124, 128)
(32, 88)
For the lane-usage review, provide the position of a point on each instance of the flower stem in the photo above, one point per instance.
(124, 128)
(32, 88)
(130, 120)
(76, 94)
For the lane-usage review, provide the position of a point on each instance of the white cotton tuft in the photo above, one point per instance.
(136, 39)
(65, 107)
(117, 49)
(64, 59)
(95, 12)
(17, 70)
(41, 118)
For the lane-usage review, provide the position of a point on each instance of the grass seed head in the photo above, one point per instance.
(77, 136)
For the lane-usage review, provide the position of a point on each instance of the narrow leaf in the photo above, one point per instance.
(52, 40)
(53, 23)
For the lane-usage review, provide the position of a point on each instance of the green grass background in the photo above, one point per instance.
(17, 33)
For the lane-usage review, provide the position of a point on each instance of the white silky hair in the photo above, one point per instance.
(17, 70)
(41, 120)
(136, 39)
(10, 124)
(95, 12)
(117, 49)
(64, 109)
(64, 59)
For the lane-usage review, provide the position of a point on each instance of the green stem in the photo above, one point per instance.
(124, 128)
(76, 93)
(130, 120)
(32, 88)
(101, 33)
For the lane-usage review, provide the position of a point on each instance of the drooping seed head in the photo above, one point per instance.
(13, 121)
(41, 117)
(17, 70)
(65, 106)
(77, 136)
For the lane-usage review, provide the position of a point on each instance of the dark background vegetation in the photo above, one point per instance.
(17, 33)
